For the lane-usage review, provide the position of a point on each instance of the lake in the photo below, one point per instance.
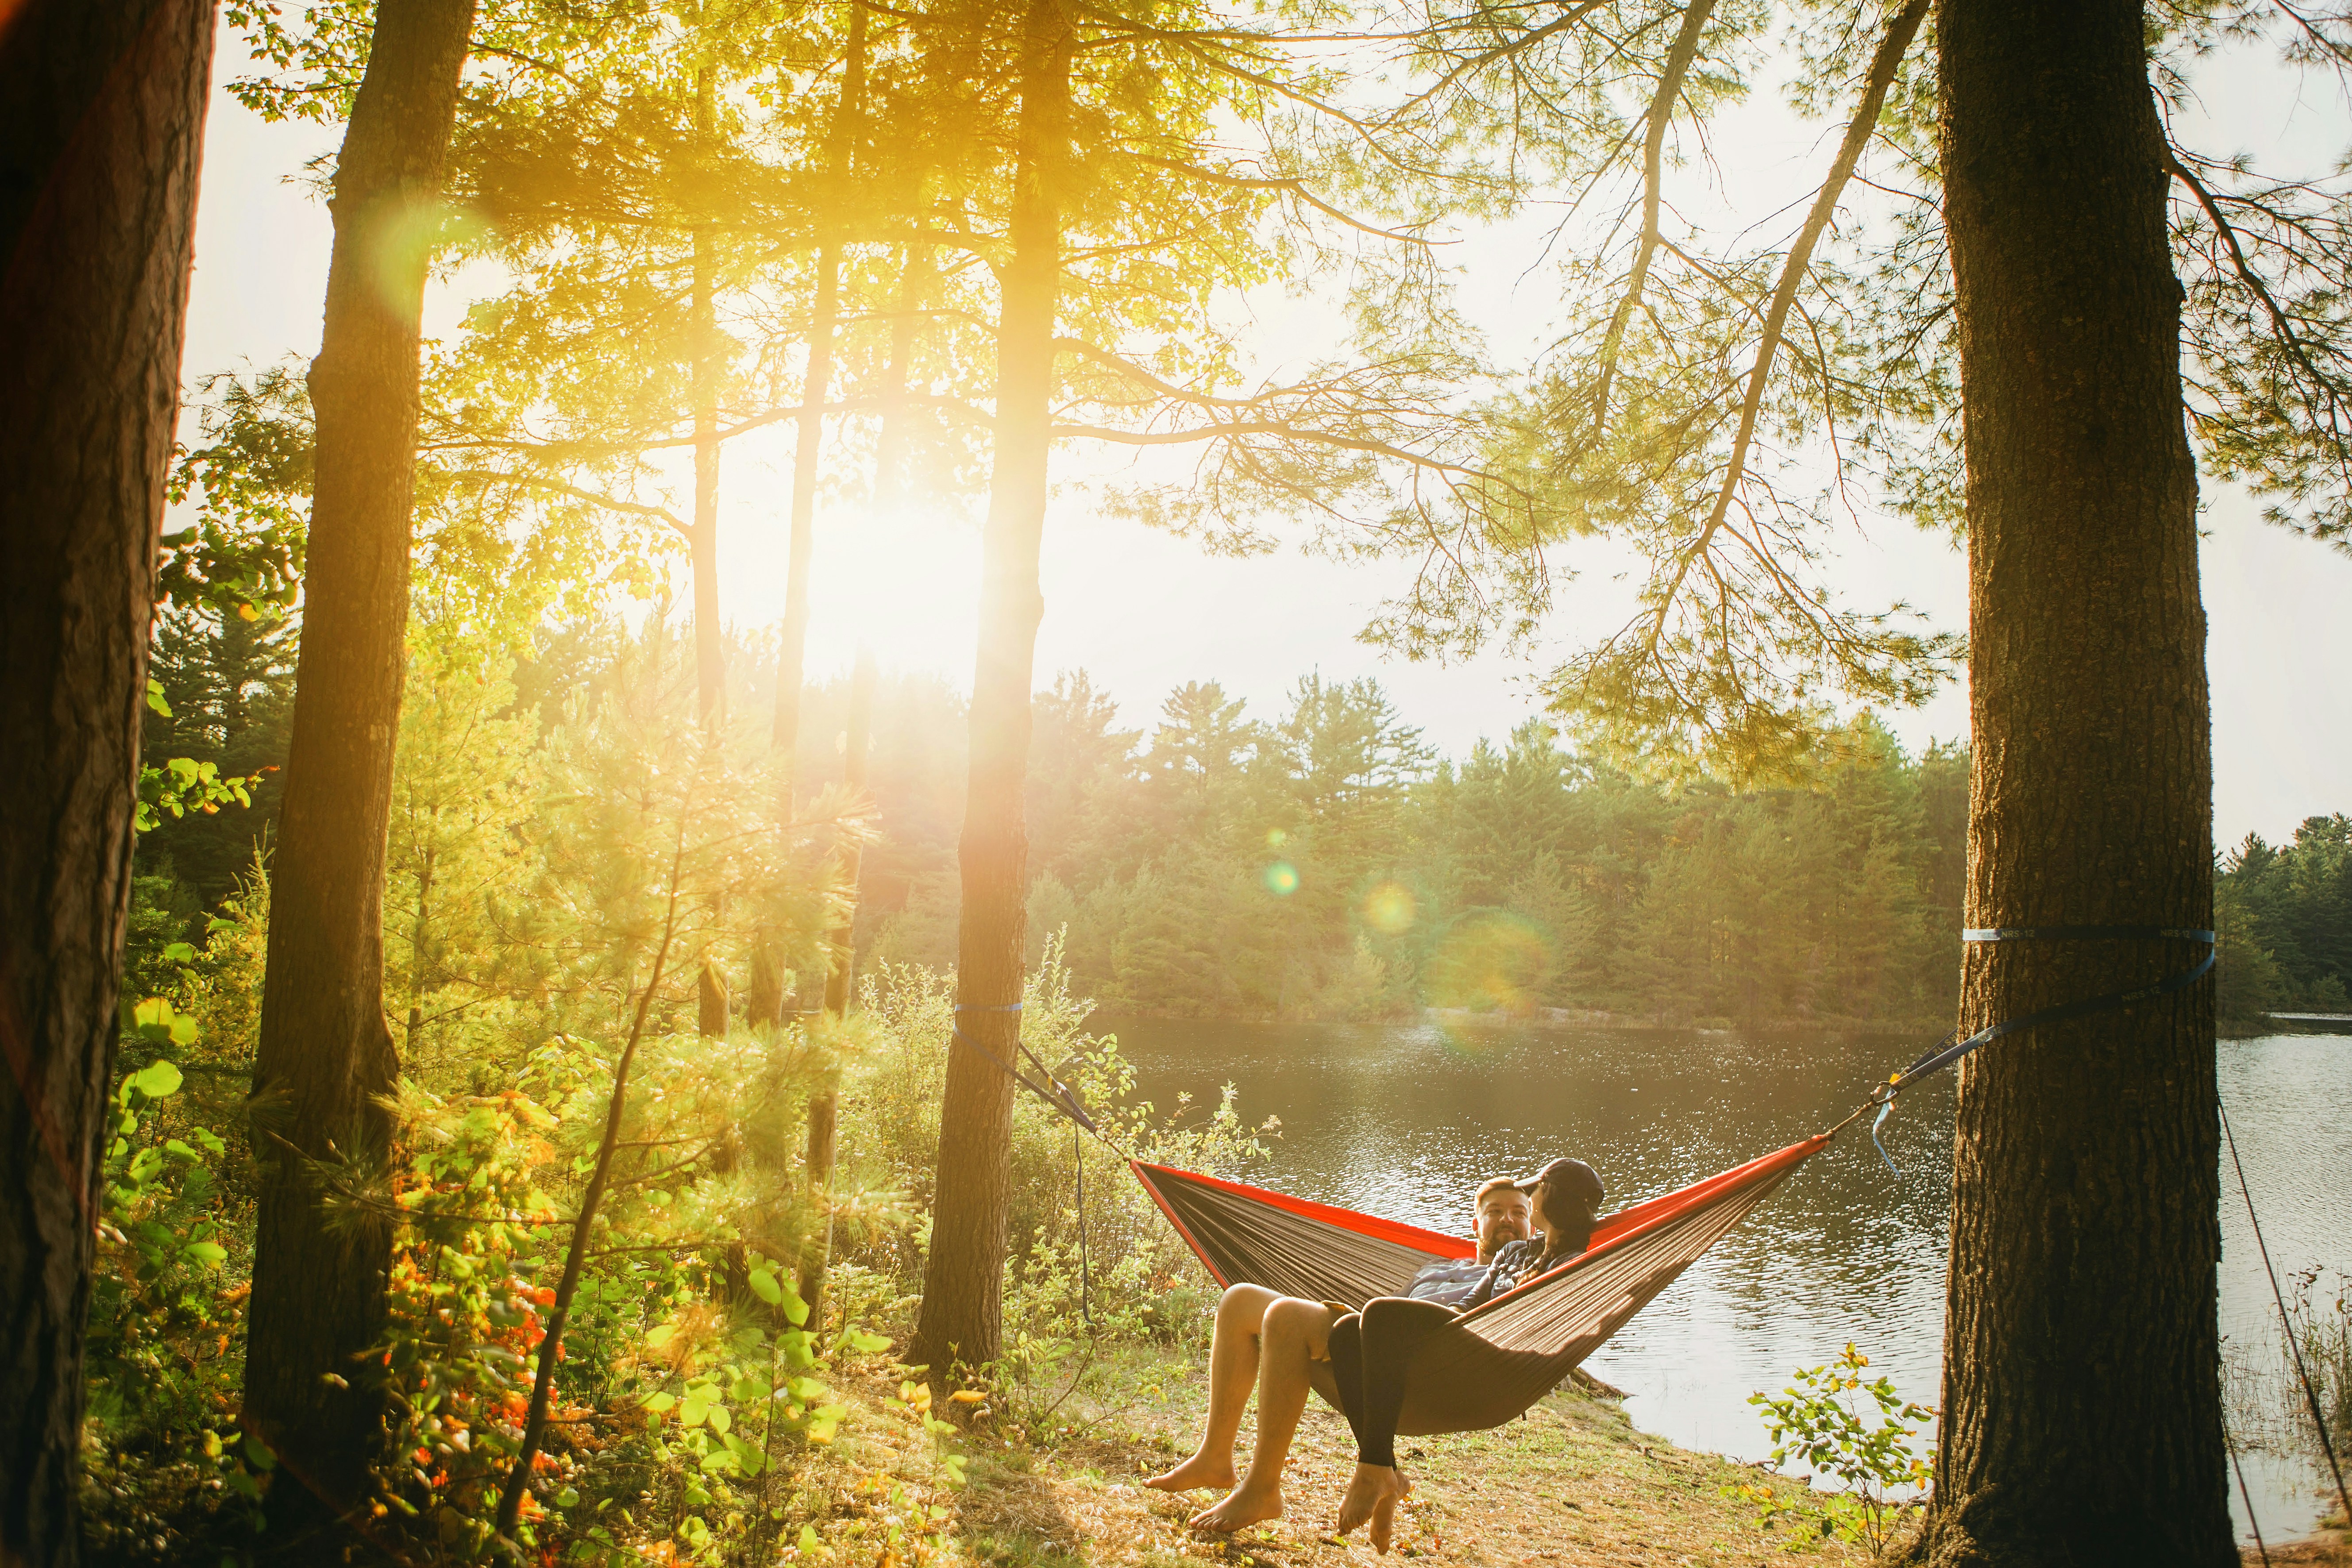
(1404, 1120)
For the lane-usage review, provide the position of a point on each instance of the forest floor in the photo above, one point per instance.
(1574, 1485)
(1571, 1485)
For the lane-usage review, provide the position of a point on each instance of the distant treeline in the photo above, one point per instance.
(1324, 862)
(2285, 916)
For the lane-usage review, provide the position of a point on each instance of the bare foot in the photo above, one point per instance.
(1194, 1473)
(1246, 1504)
(1384, 1515)
(1372, 1488)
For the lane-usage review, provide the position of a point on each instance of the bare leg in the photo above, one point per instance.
(1232, 1369)
(1295, 1333)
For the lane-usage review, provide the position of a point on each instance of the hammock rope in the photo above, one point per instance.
(1493, 1363)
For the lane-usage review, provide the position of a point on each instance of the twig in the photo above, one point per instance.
(542, 1386)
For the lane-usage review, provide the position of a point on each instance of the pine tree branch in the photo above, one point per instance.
(1859, 130)
(1653, 147)
(486, 477)
(2282, 323)
(1287, 185)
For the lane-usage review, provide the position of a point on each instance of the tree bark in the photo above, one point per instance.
(824, 1106)
(102, 125)
(963, 1277)
(2082, 1417)
(325, 1054)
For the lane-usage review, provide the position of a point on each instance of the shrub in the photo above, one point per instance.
(1819, 1418)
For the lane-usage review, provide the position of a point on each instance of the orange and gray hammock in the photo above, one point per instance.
(1494, 1362)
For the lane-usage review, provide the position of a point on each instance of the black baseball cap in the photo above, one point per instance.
(1573, 1177)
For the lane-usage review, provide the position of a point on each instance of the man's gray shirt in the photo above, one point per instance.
(1447, 1283)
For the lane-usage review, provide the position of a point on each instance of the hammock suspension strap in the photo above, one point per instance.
(1064, 1099)
(1950, 1049)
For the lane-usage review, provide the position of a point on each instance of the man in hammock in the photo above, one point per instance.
(1283, 1346)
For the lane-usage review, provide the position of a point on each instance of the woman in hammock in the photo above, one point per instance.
(1359, 1362)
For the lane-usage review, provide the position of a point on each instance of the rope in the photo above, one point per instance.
(1064, 1099)
(2294, 1343)
(2251, 1522)
(1061, 1097)
(1944, 1053)
(1085, 1285)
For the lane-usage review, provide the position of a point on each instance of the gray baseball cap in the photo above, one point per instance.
(1571, 1177)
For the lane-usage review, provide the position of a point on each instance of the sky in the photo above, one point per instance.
(1142, 612)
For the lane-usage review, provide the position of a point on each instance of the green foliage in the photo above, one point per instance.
(1322, 867)
(1857, 1432)
(687, 1349)
(167, 1289)
(2283, 918)
(1138, 1282)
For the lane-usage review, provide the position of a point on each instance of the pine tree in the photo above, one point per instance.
(102, 125)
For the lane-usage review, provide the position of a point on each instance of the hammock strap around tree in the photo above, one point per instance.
(1950, 1049)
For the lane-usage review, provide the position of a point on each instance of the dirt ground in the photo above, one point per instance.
(1571, 1484)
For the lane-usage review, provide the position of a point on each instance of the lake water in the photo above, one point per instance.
(1403, 1120)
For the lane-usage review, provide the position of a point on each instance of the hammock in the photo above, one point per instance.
(1494, 1362)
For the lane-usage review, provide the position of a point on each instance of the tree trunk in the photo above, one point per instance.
(824, 316)
(325, 1054)
(102, 125)
(709, 648)
(963, 1277)
(2082, 1417)
(824, 1106)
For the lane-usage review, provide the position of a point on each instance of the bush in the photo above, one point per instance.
(1820, 1419)
(1104, 1269)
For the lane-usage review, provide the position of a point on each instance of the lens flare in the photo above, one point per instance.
(1389, 910)
(1488, 961)
(1276, 838)
(1282, 879)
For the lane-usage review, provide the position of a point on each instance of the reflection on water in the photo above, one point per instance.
(1405, 1119)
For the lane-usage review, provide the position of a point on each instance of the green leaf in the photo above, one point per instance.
(661, 1402)
(795, 1310)
(764, 1285)
(178, 953)
(695, 1409)
(155, 702)
(808, 1540)
(209, 1253)
(720, 1419)
(157, 1079)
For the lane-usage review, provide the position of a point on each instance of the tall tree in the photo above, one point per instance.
(325, 1054)
(824, 1105)
(816, 387)
(2082, 1390)
(962, 1301)
(101, 126)
(2040, 280)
